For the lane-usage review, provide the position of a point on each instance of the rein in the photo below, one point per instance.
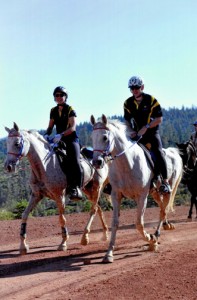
(107, 153)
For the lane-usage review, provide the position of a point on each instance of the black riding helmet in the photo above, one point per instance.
(60, 89)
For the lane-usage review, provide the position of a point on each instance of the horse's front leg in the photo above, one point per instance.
(62, 220)
(116, 199)
(24, 247)
(151, 239)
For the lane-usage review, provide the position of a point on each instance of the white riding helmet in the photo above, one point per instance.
(135, 80)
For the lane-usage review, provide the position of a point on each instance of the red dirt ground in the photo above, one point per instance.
(137, 274)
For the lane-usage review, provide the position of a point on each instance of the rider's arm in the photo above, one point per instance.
(71, 126)
(152, 124)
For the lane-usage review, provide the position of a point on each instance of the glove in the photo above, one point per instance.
(57, 138)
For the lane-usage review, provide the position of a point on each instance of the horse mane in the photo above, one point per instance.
(36, 134)
(122, 126)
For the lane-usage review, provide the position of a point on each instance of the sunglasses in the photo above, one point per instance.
(135, 87)
(59, 95)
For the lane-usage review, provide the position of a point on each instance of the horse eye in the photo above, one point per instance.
(17, 144)
(105, 138)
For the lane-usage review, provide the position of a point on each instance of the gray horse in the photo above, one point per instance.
(48, 180)
(130, 175)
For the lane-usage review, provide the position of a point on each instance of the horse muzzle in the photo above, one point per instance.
(10, 167)
(98, 163)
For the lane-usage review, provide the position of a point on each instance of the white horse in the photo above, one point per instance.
(48, 180)
(130, 175)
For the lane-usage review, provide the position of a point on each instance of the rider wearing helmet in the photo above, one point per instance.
(63, 117)
(193, 137)
(144, 114)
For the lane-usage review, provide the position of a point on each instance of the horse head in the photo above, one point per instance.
(102, 141)
(17, 147)
(188, 154)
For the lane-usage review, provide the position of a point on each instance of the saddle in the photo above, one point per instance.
(149, 155)
(60, 150)
(151, 159)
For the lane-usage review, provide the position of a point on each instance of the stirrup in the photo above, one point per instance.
(75, 194)
(107, 189)
(165, 188)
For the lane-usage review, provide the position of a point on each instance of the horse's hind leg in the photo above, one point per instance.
(150, 238)
(192, 202)
(85, 237)
(104, 224)
(32, 204)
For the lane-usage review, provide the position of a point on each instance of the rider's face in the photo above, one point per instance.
(60, 98)
(136, 90)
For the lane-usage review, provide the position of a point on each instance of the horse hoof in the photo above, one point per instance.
(24, 251)
(105, 237)
(153, 247)
(62, 248)
(85, 241)
(168, 226)
(108, 259)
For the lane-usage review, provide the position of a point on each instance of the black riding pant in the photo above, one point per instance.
(73, 165)
(154, 139)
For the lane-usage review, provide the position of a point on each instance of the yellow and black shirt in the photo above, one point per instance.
(61, 119)
(141, 114)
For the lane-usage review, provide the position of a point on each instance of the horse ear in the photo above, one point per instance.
(16, 127)
(92, 120)
(7, 129)
(104, 119)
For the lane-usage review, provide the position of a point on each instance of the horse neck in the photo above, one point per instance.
(37, 153)
(123, 148)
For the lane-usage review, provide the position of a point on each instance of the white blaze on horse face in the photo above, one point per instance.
(100, 146)
(13, 152)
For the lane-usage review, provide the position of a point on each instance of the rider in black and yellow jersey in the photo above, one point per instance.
(144, 114)
(63, 117)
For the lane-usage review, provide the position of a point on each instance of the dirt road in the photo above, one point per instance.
(45, 273)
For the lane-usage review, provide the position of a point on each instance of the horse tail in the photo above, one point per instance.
(172, 197)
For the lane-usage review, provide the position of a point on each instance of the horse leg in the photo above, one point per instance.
(116, 199)
(62, 221)
(34, 199)
(151, 239)
(192, 201)
(85, 237)
(196, 204)
(104, 224)
(93, 193)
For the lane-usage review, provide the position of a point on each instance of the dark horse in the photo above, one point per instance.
(189, 157)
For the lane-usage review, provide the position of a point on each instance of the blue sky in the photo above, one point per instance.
(92, 47)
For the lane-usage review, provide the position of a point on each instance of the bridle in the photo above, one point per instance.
(20, 154)
(106, 152)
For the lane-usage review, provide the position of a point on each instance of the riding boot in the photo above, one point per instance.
(75, 193)
(165, 188)
(107, 189)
